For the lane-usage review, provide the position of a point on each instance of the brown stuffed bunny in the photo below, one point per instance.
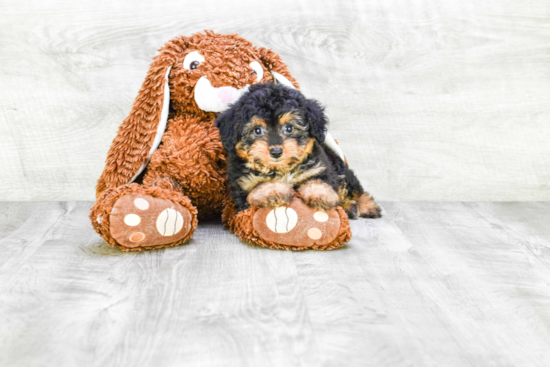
(166, 167)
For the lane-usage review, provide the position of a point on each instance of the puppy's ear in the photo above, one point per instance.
(316, 119)
(229, 126)
(277, 68)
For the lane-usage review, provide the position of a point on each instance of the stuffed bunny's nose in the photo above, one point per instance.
(228, 94)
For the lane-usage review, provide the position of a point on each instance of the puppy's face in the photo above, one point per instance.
(276, 144)
(272, 128)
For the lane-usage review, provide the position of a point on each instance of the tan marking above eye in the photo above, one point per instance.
(256, 121)
(287, 117)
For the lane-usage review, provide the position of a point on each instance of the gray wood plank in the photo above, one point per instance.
(429, 284)
(491, 294)
(526, 224)
(430, 100)
(350, 304)
(211, 301)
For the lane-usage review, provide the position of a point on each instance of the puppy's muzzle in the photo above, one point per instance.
(276, 152)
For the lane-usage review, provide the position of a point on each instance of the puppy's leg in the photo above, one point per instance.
(368, 207)
(319, 195)
(350, 206)
(271, 194)
(356, 201)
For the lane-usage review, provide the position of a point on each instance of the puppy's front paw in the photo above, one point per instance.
(271, 194)
(319, 195)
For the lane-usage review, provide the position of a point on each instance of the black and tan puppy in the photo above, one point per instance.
(274, 138)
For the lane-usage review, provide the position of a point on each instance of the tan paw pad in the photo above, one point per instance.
(297, 225)
(169, 222)
(141, 203)
(132, 220)
(141, 220)
(137, 237)
(282, 219)
(320, 216)
(314, 233)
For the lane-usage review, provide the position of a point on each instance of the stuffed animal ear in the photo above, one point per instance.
(277, 68)
(141, 132)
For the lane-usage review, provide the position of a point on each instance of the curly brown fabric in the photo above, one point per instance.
(192, 155)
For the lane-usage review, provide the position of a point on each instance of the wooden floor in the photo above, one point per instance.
(429, 284)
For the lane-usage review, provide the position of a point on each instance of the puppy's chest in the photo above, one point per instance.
(295, 177)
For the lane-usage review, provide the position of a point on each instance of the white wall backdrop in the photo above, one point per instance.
(431, 100)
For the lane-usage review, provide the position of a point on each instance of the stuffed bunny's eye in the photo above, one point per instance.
(192, 60)
(257, 68)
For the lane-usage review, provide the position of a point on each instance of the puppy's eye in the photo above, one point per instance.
(194, 65)
(258, 131)
(288, 129)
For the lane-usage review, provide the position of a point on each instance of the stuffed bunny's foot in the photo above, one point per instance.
(143, 221)
(133, 217)
(295, 226)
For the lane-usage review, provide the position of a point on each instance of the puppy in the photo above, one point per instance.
(274, 139)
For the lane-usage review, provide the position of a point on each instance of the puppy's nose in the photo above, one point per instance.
(276, 152)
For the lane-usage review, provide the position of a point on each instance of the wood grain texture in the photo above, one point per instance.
(431, 100)
(429, 284)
